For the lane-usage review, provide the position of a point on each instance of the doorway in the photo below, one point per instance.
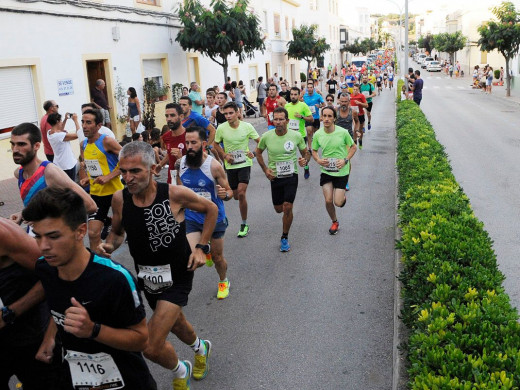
(96, 69)
(267, 70)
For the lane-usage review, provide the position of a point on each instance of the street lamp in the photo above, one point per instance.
(406, 49)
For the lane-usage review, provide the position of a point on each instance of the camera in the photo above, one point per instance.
(70, 114)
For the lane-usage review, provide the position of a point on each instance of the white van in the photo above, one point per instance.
(358, 61)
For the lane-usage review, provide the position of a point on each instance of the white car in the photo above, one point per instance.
(420, 57)
(434, 66)
(426, 61)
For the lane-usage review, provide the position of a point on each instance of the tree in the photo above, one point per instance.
(220, 32)
(449, 43)
(305, 45)
(426, 43)
(502, 35)
(385, 37)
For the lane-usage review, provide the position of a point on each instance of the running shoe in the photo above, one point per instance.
(223, 291)
(306, 173)
(183, 383)
(200, 371)
(334, 228)
(284, 245)
(244, 231)
(369, 126)
(347, 187)
(364, 131)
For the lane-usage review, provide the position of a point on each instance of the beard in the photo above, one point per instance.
(343, 107)
(23, 160)
(194, 158)
(294, 101)
(174, 125)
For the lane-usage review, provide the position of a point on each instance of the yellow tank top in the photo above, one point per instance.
(99, 162)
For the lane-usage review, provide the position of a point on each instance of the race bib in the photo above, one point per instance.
(332, 167)
(284, 168)
(205, 194)
(271, 116)
(366, 93)
(173, 175)
(355, 109)
(1, 303)
(93, 168)
(93, 371)
(313, 109)
(239, 156)
(294, 124)
(156, 277)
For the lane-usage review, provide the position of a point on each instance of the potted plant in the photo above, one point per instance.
(176, 92)
(122, 101)
(150, 92)
(162, 92)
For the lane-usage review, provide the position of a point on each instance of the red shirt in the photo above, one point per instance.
(354, 99)
(171, 141)
(270, 105)
(44, 128)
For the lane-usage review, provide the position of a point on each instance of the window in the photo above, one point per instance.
(287, 30)
(276, 25)
(266, 24)
(153, 71)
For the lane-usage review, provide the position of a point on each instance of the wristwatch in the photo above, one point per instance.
(205, 248)
(8, 315)
(346, 160)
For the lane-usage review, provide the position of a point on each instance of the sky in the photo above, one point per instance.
(414, 6)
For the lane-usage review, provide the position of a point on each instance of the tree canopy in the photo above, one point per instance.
(305, 45)
(226, 29)
(363, 47)
(449, 43)
(502, 35)
(426, 43)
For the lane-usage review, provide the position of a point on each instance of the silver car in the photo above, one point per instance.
(434, 66)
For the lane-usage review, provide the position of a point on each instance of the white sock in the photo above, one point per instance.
(198, 347)
(180, 371)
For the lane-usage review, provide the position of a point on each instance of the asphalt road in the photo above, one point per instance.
(320, 316)
(482, 139)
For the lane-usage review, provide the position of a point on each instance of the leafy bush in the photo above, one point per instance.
(497, 73)
(303, 77)
(464, 334)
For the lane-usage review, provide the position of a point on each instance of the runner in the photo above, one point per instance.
(204, 175)
(369, 91)
(390, 79)
(344, 120)
(95, 305)
(235, 135)
(24, 314)
(282, 169)
(315, 102)
(358, 102)
(100, 154)
(379, 80)
(299, 113)
(337, 148)
(174, 141)
(34, 174)
(152, 215)
(272, 101)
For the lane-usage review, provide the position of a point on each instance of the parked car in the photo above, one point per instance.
(420, 57)
(434, 66)
(426, 61)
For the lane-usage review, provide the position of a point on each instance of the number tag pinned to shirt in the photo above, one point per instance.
(93, 168)
(204, 194)
(313, 109)
(156, 277)
(355, 109)
(94, 371)
(294, 124)
(239, 156)
(332, 167)
(366, 93)
(173, 175)
(284, 168)
(271, 116)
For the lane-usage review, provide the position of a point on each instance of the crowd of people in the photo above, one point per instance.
(74, 318)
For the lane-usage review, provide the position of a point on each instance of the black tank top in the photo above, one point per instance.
(220, 118)
(154, 236)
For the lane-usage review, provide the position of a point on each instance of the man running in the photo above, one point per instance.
(345, 120)
(272, 101)
(174, 141)
(282, 169)
(369, 91)
(152, 215)
(358, 102)
(203, 174)
(95, 304)
(235, 135)
(299, 113)
(100, 154)
(24, 315)
(337, 148)
(34, 174)
(315, 102)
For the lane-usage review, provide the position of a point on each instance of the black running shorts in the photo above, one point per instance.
(284, 189)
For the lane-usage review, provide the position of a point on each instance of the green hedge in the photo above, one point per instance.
(464, 334)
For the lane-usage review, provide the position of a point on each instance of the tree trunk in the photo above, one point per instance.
(308, 69)
(508, 79)
(225, 66)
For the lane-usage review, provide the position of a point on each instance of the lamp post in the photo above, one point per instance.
(406, 50)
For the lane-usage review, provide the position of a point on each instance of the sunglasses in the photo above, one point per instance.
(330, 100)
(56, 106)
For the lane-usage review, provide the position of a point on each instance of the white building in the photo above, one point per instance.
(57, 50)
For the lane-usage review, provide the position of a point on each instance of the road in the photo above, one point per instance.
(320, 316)
(482, 139)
